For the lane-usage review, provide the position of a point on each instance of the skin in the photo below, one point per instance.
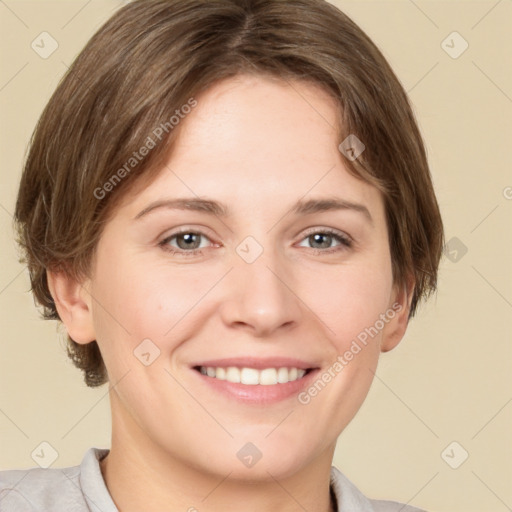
(257, 146)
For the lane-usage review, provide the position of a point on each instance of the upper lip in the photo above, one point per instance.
(258, 363)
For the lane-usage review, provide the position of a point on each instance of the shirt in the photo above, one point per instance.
(83, 489)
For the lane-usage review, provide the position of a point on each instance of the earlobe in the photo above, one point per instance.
(73, 304)
(396, 327)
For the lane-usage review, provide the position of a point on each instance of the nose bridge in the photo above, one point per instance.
(259, 295)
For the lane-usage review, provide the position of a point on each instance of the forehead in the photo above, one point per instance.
(253, 141)
(265, 116)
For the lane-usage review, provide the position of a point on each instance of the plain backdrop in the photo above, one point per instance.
(446, 391)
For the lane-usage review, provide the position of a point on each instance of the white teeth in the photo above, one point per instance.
(249, 376)
(233, 374)
(252, 377)
(268, 377)
(282, 375)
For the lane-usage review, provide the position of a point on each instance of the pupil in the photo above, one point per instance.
(317, 238)
(187, 241)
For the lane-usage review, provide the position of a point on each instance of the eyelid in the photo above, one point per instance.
(203, 231)
(328, 231)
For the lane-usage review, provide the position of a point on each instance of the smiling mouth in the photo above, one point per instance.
(253, 376)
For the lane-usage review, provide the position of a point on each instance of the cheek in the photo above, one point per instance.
(349, 302)
(137, 298)
(349, 298)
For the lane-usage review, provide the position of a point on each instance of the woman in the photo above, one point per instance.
(229, 207)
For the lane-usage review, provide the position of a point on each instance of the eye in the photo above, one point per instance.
(185, 242)
(323, 241)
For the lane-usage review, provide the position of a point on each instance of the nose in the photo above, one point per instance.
(259, 297)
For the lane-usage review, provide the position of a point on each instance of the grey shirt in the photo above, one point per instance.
(82, 489)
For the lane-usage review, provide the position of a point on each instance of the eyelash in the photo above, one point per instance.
(344, 240)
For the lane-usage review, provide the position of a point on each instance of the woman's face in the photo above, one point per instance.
(253, 248)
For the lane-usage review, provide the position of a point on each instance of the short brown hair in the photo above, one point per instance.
(146, 62)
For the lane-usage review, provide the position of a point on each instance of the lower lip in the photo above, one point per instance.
(258, 394)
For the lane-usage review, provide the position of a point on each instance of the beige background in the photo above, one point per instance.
(449, 380)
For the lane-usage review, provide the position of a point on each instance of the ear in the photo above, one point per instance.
(401, 304)
(73, 304)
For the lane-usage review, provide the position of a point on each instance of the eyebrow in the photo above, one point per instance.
(212, 207)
